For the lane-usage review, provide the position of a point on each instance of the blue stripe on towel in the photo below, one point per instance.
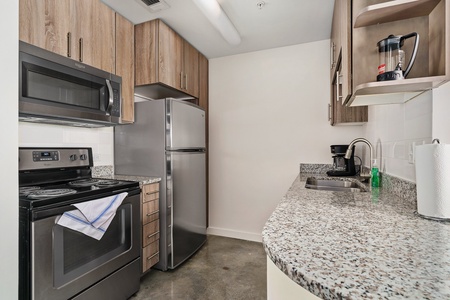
(77, 219)
(105, 210)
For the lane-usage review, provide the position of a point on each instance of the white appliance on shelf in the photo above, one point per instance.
(167, 140)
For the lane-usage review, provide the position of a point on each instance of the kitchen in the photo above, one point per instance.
(262, 125)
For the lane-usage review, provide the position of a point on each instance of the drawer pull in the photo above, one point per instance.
(150, 257)
(151, 193)
(152, 213)
(152, 235)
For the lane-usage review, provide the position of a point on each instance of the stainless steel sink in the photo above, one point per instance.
(333, 185)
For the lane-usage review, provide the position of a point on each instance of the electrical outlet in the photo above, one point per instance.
(412, 152)
(96, 157)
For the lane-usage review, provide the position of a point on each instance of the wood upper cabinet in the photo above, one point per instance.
(93, 33)
(190, 71)
(80, 29)
(374, 20)
(87, 31)
(125, 65)
(341, 67)
(164, 57)
(45, 24)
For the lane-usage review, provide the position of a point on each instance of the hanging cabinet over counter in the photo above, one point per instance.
(166, 64)
(376, 20)
(87, 31)
(340, 66)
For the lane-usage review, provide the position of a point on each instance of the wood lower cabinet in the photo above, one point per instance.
(150, 225)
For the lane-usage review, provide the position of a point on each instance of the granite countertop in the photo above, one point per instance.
(369, 245)
(142, 179)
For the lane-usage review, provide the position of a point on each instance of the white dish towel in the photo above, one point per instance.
(92, 217)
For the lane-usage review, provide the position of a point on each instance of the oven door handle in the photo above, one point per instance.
(111, 96)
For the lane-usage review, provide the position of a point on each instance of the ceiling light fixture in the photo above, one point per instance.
(212, 10)
(260, 4)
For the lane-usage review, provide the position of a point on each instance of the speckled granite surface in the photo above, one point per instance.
(370, 245)
(141, 179)
(108, 173)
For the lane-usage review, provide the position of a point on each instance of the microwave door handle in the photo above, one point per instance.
(110, 92)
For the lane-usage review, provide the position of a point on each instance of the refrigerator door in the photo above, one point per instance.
(185, 128)
(186, 196)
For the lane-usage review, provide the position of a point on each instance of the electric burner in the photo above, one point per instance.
(94, 182)
(42, 194)
(26, 190)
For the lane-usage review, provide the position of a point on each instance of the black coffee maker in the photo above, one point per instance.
(341, 165)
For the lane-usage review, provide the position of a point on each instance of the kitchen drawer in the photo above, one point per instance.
(150, 196)
(150, 192)
(150, 232)
(150, 255)
(149, 213)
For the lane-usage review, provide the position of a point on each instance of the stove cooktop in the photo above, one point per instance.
(73, 191)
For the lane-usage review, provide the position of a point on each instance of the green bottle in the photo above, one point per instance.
(375, 174)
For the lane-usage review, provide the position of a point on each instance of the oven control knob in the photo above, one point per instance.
(83, 157)
(73, 157)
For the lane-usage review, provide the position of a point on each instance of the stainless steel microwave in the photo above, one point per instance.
(59, 90)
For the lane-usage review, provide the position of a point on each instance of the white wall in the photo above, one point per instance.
(268, 112)
(44, 135)
(9, 20)
(394, 129)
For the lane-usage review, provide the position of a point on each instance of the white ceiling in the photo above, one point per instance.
(279, 23)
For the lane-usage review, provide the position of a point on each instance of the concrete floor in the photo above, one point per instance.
(222, 269)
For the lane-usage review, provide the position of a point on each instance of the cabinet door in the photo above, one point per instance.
(190, 70)
(341, 114)
(203, 82)
(125, 65)
(170, 56)
(45, 24)
(345, 45)
(335, 46)
(93, 27)
(146, 42)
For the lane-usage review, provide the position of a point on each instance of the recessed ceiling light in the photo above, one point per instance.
(260, 4)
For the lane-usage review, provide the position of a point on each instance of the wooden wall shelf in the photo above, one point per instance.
(394, 11)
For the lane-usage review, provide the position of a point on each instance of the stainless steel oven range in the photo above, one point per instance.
(57, 262)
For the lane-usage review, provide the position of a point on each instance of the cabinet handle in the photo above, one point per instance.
(332, 49)
(186, 81)
(150, 193)
(339, 81)
(152, 213)
(69, 42)
(150, 257)
(329, 112)
(338, 95)
(181, 80)
(152, 235)
(81, 49)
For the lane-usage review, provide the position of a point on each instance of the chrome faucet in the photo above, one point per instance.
(348, 154)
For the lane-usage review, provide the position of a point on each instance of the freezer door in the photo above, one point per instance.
(186, 192)
(185, 125)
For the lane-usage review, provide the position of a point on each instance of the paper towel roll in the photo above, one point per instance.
(433, 180)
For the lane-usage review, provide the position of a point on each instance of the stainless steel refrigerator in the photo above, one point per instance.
(167, 140)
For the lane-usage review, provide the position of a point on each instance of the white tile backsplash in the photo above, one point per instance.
(395, 128)
(101, 140)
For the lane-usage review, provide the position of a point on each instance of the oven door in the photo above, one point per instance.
(66, 262)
